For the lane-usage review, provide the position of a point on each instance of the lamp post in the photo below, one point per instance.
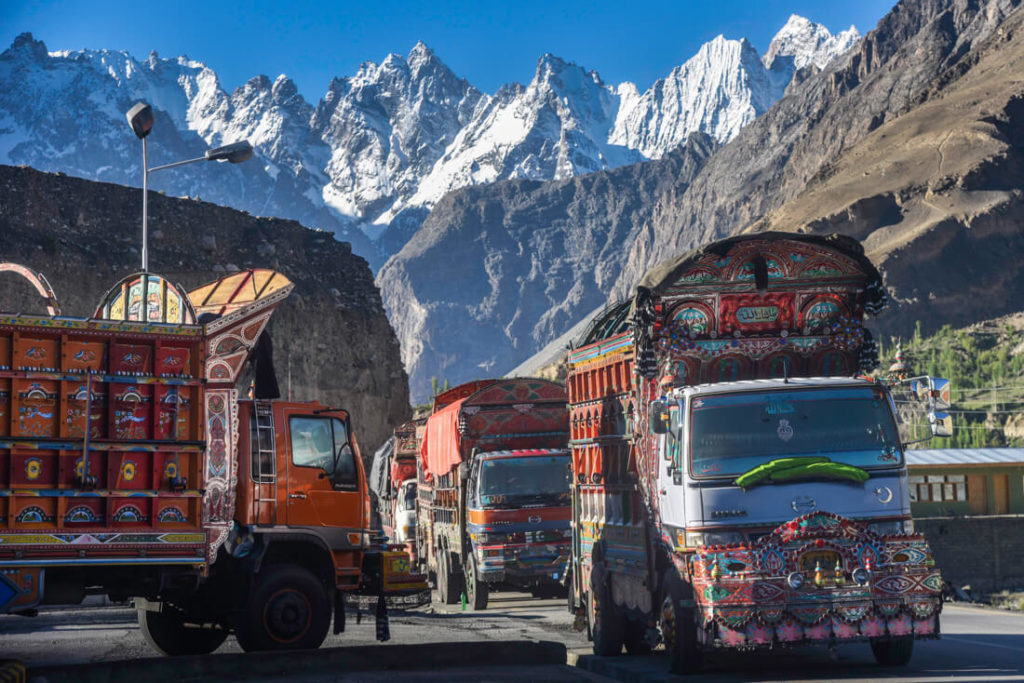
(140, 118)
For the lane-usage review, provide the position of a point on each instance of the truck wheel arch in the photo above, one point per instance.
(306, 550)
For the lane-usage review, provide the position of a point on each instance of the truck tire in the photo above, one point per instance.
(477, 591)
(287, 610)
(448, 585)
(167, 633)
(893, 651)
(607, 626)
(679, 626)
(635, 638)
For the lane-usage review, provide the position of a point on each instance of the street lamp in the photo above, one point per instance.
(140, 118)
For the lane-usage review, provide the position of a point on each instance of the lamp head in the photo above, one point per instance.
(235, 153)
(140, 118)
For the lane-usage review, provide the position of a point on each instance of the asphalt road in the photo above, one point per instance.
(977, 645)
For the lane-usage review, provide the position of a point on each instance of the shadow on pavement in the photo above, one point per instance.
(289, 664)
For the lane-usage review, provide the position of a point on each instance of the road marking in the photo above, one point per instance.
(982, 642)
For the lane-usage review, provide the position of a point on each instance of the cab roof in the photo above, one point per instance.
(791, 383)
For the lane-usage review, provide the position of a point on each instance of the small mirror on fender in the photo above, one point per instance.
(463, 471)
(941, 424)
(659, 417)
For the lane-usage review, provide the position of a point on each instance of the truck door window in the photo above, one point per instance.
(322, 442)
(312, 442)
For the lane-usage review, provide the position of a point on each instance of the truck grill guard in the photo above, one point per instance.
(818, 577)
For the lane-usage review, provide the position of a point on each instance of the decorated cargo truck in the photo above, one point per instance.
(493, 489)
(394, 480)
(130, 467)
(735, 483)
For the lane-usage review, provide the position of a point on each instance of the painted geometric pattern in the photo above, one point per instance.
(745, 591)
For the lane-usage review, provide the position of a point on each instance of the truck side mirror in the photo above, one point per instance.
(941, 423)
(659, 417)
(463, 471)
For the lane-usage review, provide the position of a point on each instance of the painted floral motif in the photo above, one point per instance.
(33, 468)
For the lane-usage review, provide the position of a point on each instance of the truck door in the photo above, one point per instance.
(324, 483)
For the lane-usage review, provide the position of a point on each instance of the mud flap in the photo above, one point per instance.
(339, 612)
(383, 630)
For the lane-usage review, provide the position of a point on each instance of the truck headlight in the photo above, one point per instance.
(699, 538)
(899, 526)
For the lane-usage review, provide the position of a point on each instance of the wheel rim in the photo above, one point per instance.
(287, 615)
(471, 583)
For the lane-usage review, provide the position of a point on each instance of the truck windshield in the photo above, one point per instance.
(731, 433)
(407, 501)
(519, 481)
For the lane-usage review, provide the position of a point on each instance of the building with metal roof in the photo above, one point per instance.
(966, 481)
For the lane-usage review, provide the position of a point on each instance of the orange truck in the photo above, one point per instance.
(493, 502)
(129, 467)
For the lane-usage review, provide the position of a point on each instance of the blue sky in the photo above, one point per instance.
(488, 43)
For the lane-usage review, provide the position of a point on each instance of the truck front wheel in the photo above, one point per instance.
(679, 625)
(167, 632)
(287, 610)
(893, 651)
(607, 627)
(477, 591)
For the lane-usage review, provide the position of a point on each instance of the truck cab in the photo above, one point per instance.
(405, 514)
(519, 508)
(718, 433)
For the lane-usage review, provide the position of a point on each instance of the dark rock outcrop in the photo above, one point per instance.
(332, 342)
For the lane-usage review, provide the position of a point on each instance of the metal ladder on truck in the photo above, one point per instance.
(264, 437)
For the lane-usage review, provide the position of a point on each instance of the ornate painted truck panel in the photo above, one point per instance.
(394, 481)
(493, 488)
(129, 466)
(698, 434)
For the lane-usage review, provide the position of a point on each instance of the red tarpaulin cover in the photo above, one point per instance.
(440, 448)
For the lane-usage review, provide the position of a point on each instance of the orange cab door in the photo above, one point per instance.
(323, 487)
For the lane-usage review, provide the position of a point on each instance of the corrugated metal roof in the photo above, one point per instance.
(965, 456)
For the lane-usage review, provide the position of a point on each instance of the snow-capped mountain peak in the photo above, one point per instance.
(382, 146)
(806, 42)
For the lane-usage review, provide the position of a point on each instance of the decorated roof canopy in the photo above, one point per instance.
(758, 306)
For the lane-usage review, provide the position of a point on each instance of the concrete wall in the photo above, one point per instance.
(986, 553)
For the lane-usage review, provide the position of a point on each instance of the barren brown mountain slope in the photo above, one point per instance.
(917, 51)
(937, 195)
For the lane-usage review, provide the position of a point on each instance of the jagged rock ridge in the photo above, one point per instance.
(383, 146)
(917, 54)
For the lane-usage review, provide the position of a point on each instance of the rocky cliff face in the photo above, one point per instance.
(496, 272)
(332, 342)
